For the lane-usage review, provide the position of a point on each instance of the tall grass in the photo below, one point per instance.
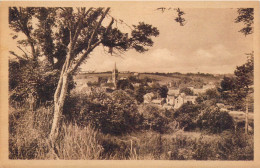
(28, 132)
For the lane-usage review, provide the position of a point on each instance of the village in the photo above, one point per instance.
(173, 99)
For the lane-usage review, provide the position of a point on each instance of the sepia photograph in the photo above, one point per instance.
(133, 80)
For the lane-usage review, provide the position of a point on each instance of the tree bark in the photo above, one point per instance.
(59, 99)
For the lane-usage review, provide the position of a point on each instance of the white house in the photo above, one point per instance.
(148, 97)
(183, 98)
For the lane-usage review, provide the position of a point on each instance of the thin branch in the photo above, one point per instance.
(26, 55)
(89, 47)
(79, 28)
(19, 57)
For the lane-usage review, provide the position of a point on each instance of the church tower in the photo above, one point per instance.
(114, 76)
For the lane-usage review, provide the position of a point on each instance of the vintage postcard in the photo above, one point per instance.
(129, 84)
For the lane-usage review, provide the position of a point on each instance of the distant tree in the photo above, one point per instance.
(133, 79)
(146, 80)
(124, 84)
(139, 94)
(214, 120)
(245, 76)
(227, 84)
(163, 91)
(246, 16)
(244, 84)
(187, 91)
(212, 94)
(227, 88)
(209, 98)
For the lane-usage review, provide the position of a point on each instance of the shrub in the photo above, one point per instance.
(40, 81)
(187, 91)
(186, 115)
(114, 113)
(214, 120)
(154, 119)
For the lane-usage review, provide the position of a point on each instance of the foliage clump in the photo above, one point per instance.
(115, 114)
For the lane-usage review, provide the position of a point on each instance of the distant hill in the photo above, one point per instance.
(178, 79)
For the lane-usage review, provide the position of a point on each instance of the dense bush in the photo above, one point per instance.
(25, 79)
(187, 91)
(214, 120)
(114, 113)
(211, 96)
(154, 119)
(186, 115)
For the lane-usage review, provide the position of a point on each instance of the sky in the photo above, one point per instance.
(208, 43)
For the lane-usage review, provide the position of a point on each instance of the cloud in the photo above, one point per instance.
(214, 59)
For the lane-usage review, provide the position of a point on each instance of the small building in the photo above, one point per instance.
(173, 92)
(170, 100)
(158, 102)
(148, 97)
(179, 101)
(198, 91)
(190, 99)
(183, 98)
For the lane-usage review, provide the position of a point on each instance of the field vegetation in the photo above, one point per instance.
(114, 126)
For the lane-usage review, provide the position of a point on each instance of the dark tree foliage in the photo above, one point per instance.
(113, 114)
(163, 91)
(186, 115)
(124, 84)
(246, 16)
(154, 119)
(227, 84)
(235, 90)
(25, 79)
(160, 91)
(141, 36)
(214, 120)
(187, 91)
(139, 94)
(179, 19)
(245, 74)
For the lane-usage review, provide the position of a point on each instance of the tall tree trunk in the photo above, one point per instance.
(59, 99)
